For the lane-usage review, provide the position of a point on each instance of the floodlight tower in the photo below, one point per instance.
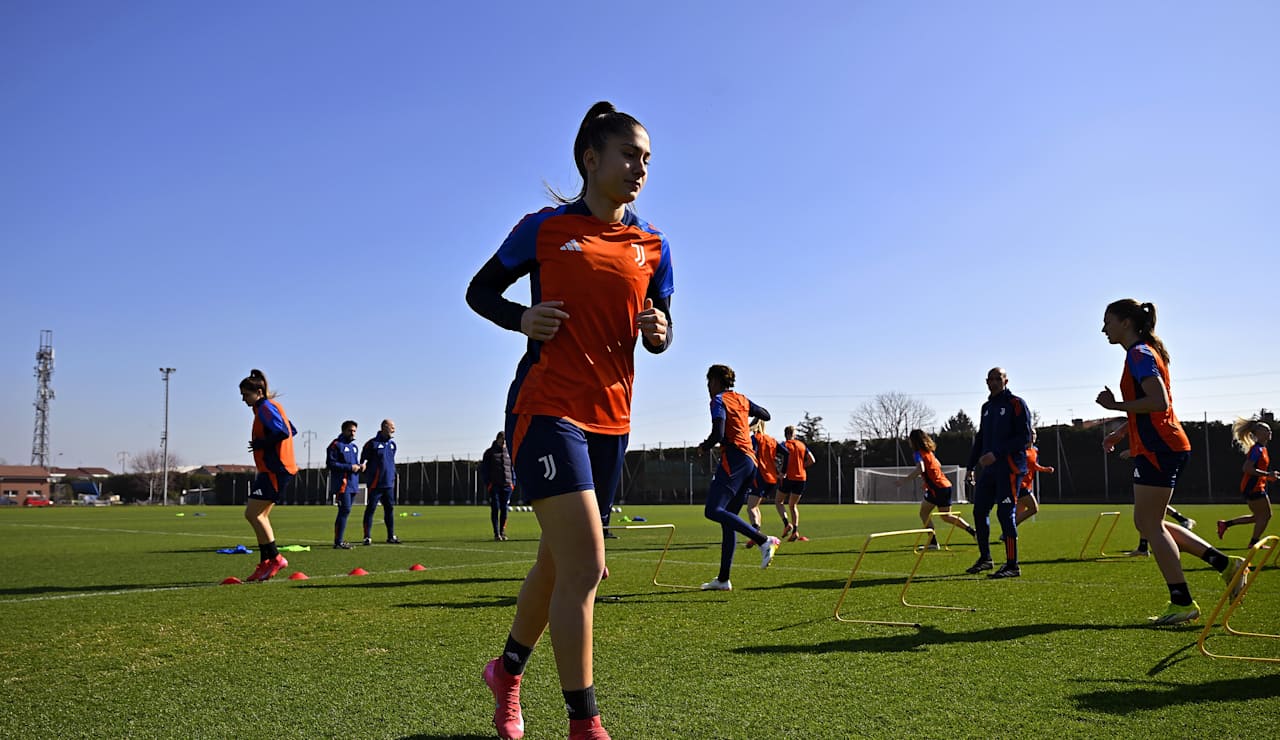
(164, 440)
(44, 394)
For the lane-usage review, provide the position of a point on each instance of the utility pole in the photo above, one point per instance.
(44, 394)
(307, 436)
(164, 440)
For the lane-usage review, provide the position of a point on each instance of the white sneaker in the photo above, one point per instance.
(1191, 523)
(767, 551)
(715, 584)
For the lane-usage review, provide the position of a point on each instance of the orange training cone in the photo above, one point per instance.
(417, 566)
(359, 572)
(229, 581)
(297, 575)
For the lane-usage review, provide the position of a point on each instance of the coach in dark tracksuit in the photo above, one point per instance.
(342, 460)
(1001, 449)
(495, 474)
(379, 457)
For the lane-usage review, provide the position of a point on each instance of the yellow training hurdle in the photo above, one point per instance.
(1268, 547)
(901, 596)
(661, 558)
(1102, 549)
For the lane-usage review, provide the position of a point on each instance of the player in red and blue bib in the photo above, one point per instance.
(1159, 448)
(937, 489)
(796, 459)
(600, 281)
(1028, 505)
(271, 442)
(765, 485)
(730, 428)
(1253, 435)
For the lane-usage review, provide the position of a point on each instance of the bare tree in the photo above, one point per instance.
(148, 466)
(890, 416)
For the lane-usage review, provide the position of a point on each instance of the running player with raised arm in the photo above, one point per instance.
(1028, 505)
(272, 446)
(601, 280)
(937, 489)
(1159, 449)
(730, 412)
(1252, 437)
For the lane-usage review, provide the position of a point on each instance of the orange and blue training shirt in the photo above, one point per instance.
(1157, 432)
(272, 440)
(766, 448)
(933, 477)
(730, 426)
(1261, 460)
(603, 272)
(1033, 467)
(796, 457)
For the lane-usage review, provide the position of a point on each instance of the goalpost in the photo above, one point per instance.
(887, 486)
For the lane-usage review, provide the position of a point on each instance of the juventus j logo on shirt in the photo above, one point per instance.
(640, 258)
(548, 467)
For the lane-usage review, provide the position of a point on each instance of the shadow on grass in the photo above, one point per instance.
(353, 583)
(494, 601)
(471, 736)
(95, 588)
(925, 636)
(860, 582)
(1156, 695)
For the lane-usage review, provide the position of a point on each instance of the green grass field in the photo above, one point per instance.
(114, 626)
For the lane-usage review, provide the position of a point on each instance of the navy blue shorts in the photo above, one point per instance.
(791, 487)
(1162, 474)
(551, 456)
(1024, 492)
(270, 486)
(762, 489)
(1255, 495)
(939, 497)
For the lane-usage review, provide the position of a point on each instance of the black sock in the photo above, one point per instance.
(515, 656)
(1253, 541)
(1178, 517)
(1179, 594)
(1215, 558)
(581, 704)
(1144, 546)
(971, 531)
(269, 550)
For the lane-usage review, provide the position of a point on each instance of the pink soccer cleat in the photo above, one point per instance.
(507, 718)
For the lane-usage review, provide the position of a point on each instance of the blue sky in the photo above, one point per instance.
(860, 198)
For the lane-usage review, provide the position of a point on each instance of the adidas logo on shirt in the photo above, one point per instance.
(571, 246)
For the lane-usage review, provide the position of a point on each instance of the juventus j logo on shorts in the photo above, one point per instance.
(548, 467)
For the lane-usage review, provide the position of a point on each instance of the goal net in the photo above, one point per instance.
(888, 486)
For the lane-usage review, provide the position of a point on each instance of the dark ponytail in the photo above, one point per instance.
(257, 382)
(1143, 317)
(601, 122)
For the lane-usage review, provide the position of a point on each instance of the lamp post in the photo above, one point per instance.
(164, 439)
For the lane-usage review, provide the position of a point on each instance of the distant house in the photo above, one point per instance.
(212, 470)
(19, 481)
(84, 482)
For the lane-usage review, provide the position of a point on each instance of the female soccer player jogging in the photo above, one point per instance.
(600, 279)
(730, 412)
(271, 442)
(1252, 437)
(1159, 448)
(937, 489)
